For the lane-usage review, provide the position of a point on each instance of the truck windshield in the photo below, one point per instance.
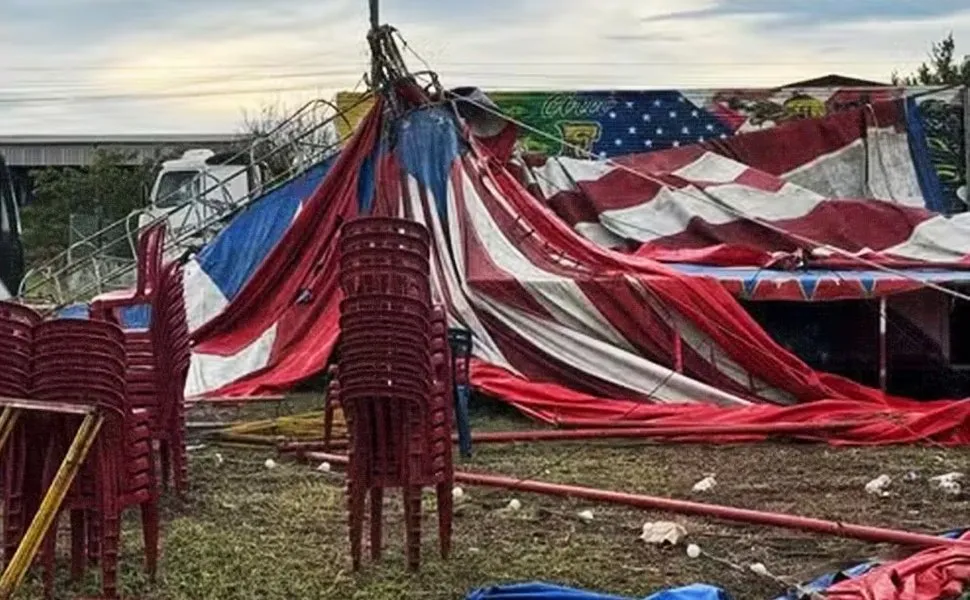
(175, 187)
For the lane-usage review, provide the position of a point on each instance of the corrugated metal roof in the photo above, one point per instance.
(64, 151)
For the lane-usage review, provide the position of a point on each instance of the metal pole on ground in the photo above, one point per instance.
(866, 533)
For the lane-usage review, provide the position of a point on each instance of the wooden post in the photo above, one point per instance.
(883, 306)
(8, 421)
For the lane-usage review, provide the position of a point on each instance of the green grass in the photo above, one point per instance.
(249, 532)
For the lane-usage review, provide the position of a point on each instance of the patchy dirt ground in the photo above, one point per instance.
(249, 532)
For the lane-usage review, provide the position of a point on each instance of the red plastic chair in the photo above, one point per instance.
(119, 471)
(151, 244)
(157, 358)
(170, 335)
(20, 497)
(391, 380)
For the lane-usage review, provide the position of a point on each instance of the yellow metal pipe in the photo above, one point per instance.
(50, 505)
(8, 421)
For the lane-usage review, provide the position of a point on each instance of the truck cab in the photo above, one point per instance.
(194, 190)
(11, 246)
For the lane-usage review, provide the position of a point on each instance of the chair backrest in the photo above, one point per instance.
(151, 245)
(16, 350)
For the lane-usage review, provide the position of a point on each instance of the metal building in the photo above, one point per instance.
(25, 153)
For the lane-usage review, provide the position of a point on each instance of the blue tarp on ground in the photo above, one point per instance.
(545, 591)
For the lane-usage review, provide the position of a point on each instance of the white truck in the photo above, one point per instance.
(195, 191)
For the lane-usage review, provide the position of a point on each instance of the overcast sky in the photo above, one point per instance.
(193, 66)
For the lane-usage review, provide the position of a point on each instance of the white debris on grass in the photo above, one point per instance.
(324, 467)
(663, 532)
(457, 493)
(693, 551)
(514, 504)
(704, 485)
(949, 483)
(270, 463)
(586, 516)
(877, 486)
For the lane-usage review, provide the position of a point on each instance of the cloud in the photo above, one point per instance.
(116, 66)
(800, 14)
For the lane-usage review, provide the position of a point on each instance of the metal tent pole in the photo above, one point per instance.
(685, 507)
(883, 317)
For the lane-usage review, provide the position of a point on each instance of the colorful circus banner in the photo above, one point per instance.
(613, 123)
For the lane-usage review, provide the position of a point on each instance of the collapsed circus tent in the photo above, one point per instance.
(565, 327)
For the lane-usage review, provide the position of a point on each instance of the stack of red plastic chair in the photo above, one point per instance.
(389, 387)
(83, 362)
(170, 335)
(157, 357)
(20, 496)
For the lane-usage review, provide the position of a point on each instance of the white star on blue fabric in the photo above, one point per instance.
(633, 130)
(618, 142)
(676, 144)
(660, 130)
(673, 114)
(685, 130)
(629, 105)
(710, 127)
(648, 143)
(646, 117)
(612, 115)
(657, 102)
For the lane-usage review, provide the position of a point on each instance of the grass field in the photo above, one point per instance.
(249, 532)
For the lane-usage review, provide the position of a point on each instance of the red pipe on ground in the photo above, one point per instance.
(780, 427)
(658, 431)
(877, 535)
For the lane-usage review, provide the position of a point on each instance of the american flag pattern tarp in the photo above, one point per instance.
(804, 191)
(562, 326)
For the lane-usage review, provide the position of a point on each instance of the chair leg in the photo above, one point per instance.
(164, 453)
(376, 522)
(94, 537)
(48, 560)
(48, 549)
(110, 523)
(327, 424)
(356, 493)
(412, 524)
(14, 505)
(150, 533)
(78, 545)
(180, 465)
(445, 516)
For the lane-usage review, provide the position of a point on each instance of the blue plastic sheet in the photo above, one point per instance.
(545, 591)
